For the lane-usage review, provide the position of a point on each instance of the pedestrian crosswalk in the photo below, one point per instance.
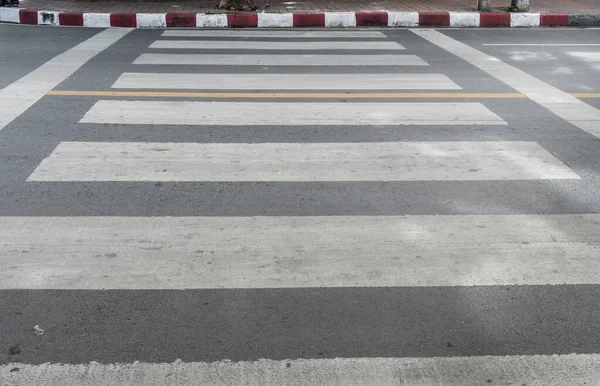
(343, 257)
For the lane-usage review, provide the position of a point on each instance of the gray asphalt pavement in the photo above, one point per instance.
(155, 321)
(24, 48)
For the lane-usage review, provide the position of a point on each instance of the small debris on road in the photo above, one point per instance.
(37, 330)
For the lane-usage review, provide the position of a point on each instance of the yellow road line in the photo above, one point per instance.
(161, 94)
(586, 94)
(283, 95)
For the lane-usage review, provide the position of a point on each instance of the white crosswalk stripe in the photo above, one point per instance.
(280, 60)
(280, 45)
(286, 114)
(285, 81)
(296, 252)
(574, 369)
(383, 161)
(275, 34)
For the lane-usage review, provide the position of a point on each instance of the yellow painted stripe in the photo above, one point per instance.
(167, 94)
(161, 94)
(586, 94)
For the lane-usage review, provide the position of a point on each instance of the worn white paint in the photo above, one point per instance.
(145, 80)
(249, 33)
(278, 45)
(280, 60)
(403, 19)
(282, 113)
(368, 161)
(96, 20)
(524, 19)
(275, 20)
(535, 370)
(151, 20)
(528, 56)
(48, 18)
(298, 252)
(464, 19)
(9, 15)
(340, 19)
(210, 20)
(566, 71)
(17, 97)
(590, 57)
(564, 105)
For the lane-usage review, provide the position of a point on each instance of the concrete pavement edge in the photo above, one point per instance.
(289, 20)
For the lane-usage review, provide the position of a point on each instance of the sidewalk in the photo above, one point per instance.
(307, 6)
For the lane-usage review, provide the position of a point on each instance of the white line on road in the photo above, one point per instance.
(204, 81)
(567, 107)
(285, 114)
(534, 370)
(298, 252)
(370, 161)
(280, 60)
(279, 45)
(19, 96)
(274, 34)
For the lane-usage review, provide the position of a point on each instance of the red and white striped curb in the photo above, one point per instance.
(282, 20)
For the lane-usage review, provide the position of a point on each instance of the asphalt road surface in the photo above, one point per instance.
(299, 207)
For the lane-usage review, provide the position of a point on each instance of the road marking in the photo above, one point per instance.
(269, 95)
(146, 80)
(591, 57)
(298, 252)
(567, 107)
(586, 94)
(274, 34)
(543, 44)
(283, 95)
(280, 45)
(19, 96)
(369, 161)
(549, 370)
(280, 60)
(287, 114)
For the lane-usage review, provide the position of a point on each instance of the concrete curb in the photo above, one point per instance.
(288, 20)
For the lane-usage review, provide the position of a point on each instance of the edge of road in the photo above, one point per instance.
(288, 20)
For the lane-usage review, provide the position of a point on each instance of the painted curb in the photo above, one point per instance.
(289, 20)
